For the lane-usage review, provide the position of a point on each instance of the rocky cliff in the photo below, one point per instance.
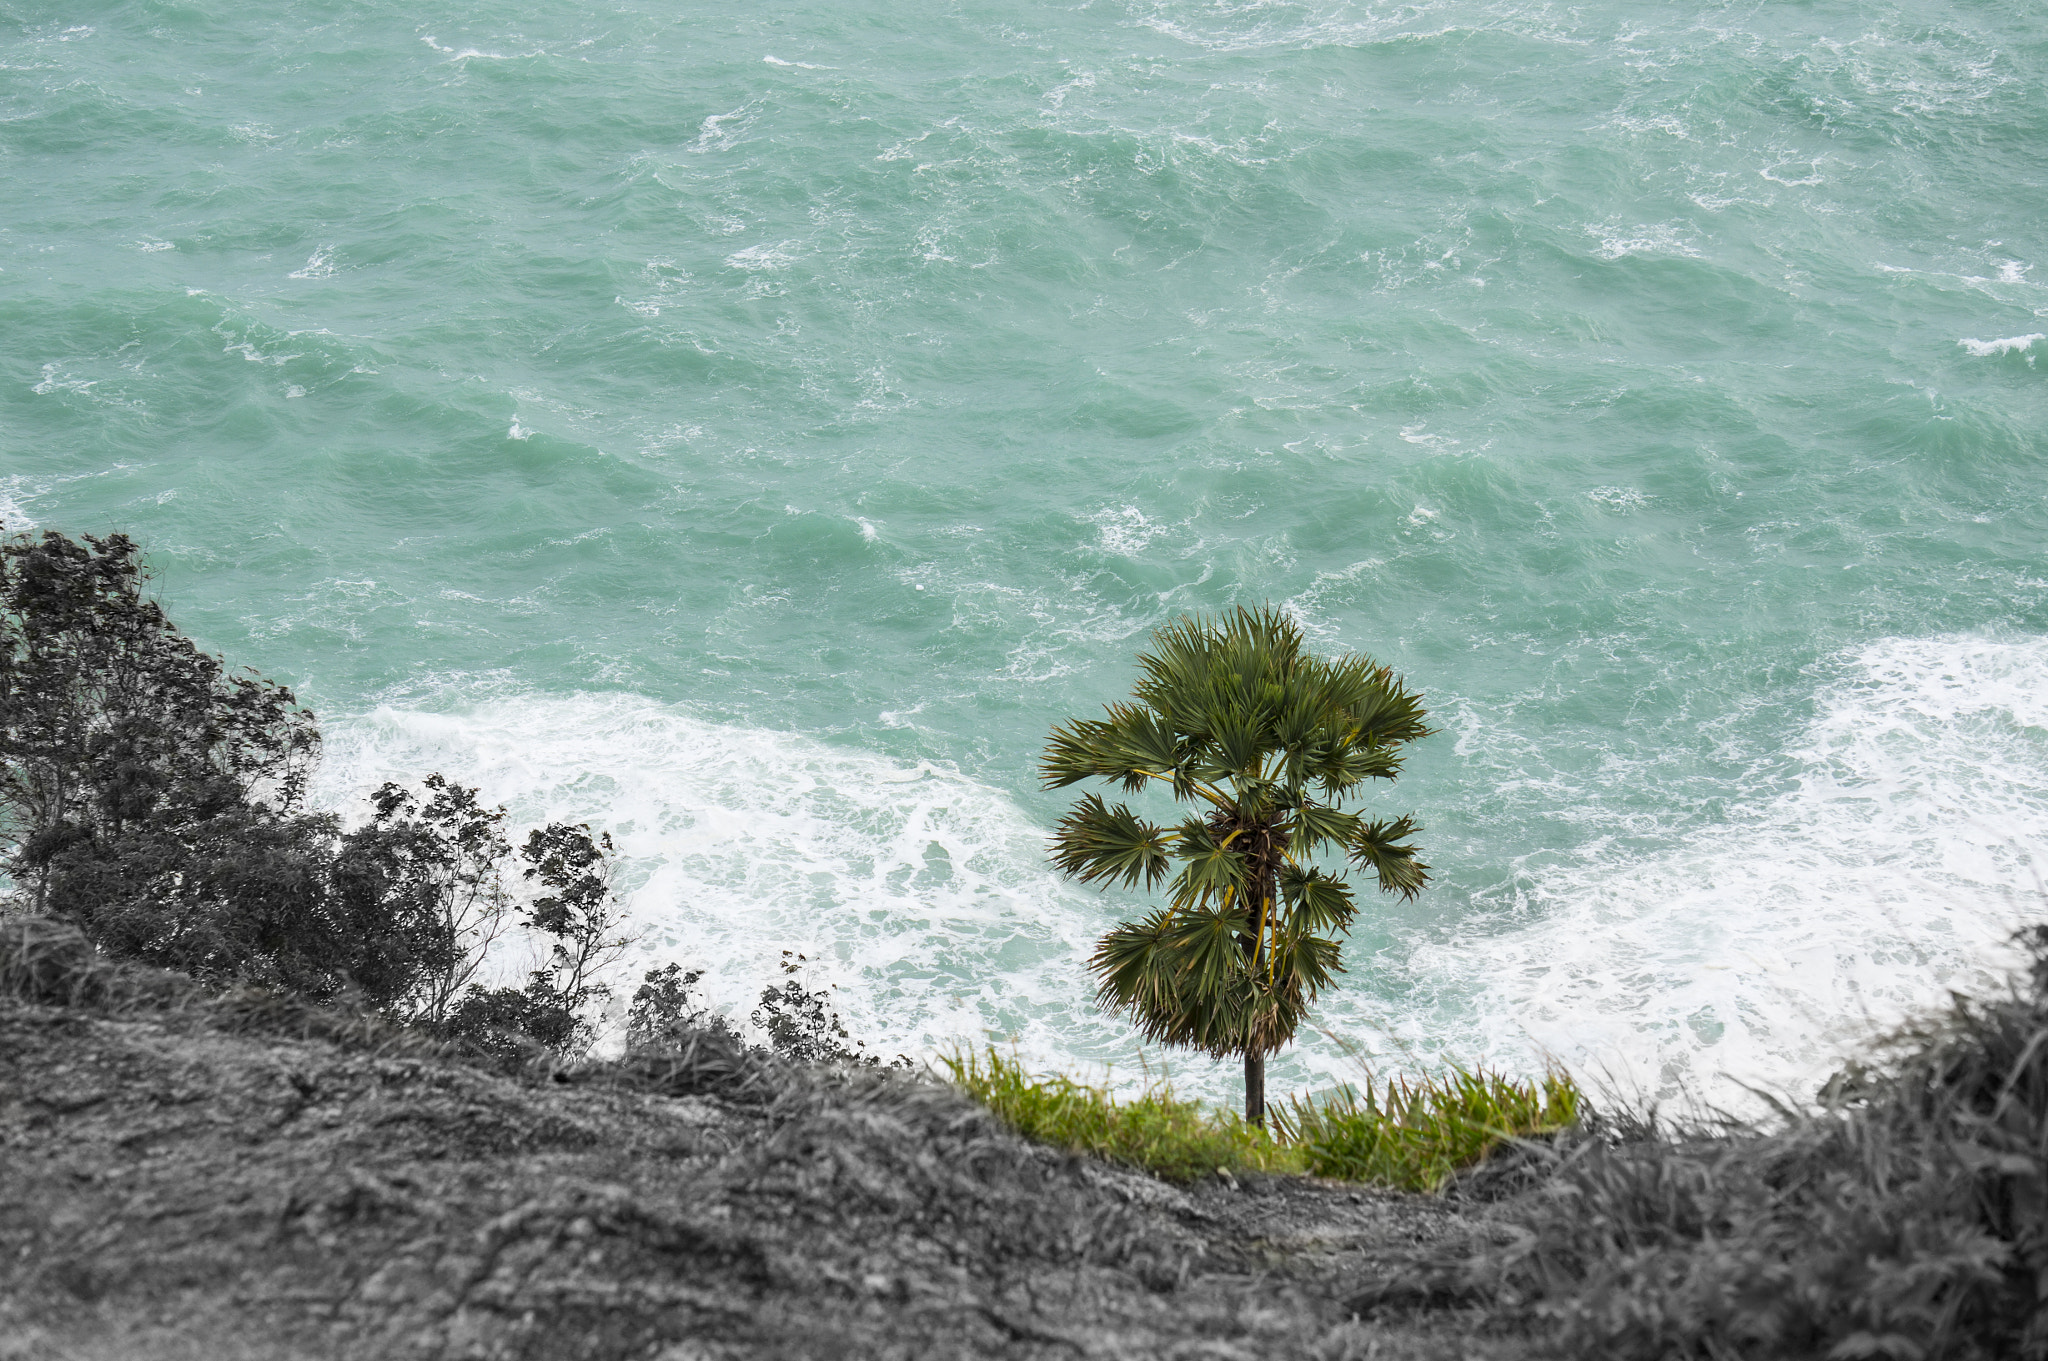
(190, 1177)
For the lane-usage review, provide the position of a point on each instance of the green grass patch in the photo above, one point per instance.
(1415, 1135)
(1156, 1132)
(1411, 1135)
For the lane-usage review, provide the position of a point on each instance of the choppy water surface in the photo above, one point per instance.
(753, 431)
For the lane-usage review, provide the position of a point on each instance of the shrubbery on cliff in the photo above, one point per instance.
(155, 799)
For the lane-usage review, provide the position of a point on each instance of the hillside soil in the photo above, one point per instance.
(193, 1182)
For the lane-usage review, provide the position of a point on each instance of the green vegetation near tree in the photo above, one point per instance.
(1416, 1134)
(1265, 742)
(1408, 1135)
(1156, 1132)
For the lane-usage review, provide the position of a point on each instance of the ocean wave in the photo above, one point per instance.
(1984, 349)
(1758, 952)
(924, 894)
(1755, 953)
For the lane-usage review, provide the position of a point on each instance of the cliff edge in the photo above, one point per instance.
(243, 1178)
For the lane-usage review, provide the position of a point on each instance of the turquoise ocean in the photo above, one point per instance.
(750, 428)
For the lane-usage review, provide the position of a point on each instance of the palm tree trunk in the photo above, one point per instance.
(1255, 1089)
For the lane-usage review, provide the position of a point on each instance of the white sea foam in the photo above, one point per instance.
(1644, 238)
(1894, 865)
(54, 379)
(1057, 96)
(756, 259)
(1761, 951)
(1124, 530)
(721, 131)
(1419, 434)
(15, 493)
(925, 894)
(1247, 27)
(1782, 172)
(902, 151)
(319, 265)
(471, 53)
(1983, 349)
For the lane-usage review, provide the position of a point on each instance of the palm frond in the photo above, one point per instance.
(1076, 752)
(1300, 731)
(1099, 844)
(1138, 746)
(1136, 964)
(1380, 846)
(1315, 901)
(1317, 824)
(1352, 762)
(1173, 976)
(1207, 942)
(1209, 867)
(1303, 964)
(1239, 739)
(1389, 713)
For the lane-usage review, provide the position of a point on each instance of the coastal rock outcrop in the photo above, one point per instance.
(243, 1178)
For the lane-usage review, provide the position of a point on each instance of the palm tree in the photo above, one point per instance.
(1266, 742)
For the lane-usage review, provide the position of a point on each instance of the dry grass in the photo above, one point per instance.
(49, 962)
(1905, 1219)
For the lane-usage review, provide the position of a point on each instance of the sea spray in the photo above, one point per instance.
(1759, 951)
(922, 894)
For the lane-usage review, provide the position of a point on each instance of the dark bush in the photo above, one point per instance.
(664, 1013)
(152, 798)
(802, 1027)
(253, 897)
(113, 723)
(505, 1021)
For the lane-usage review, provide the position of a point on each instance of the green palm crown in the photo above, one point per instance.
(1267, 743)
